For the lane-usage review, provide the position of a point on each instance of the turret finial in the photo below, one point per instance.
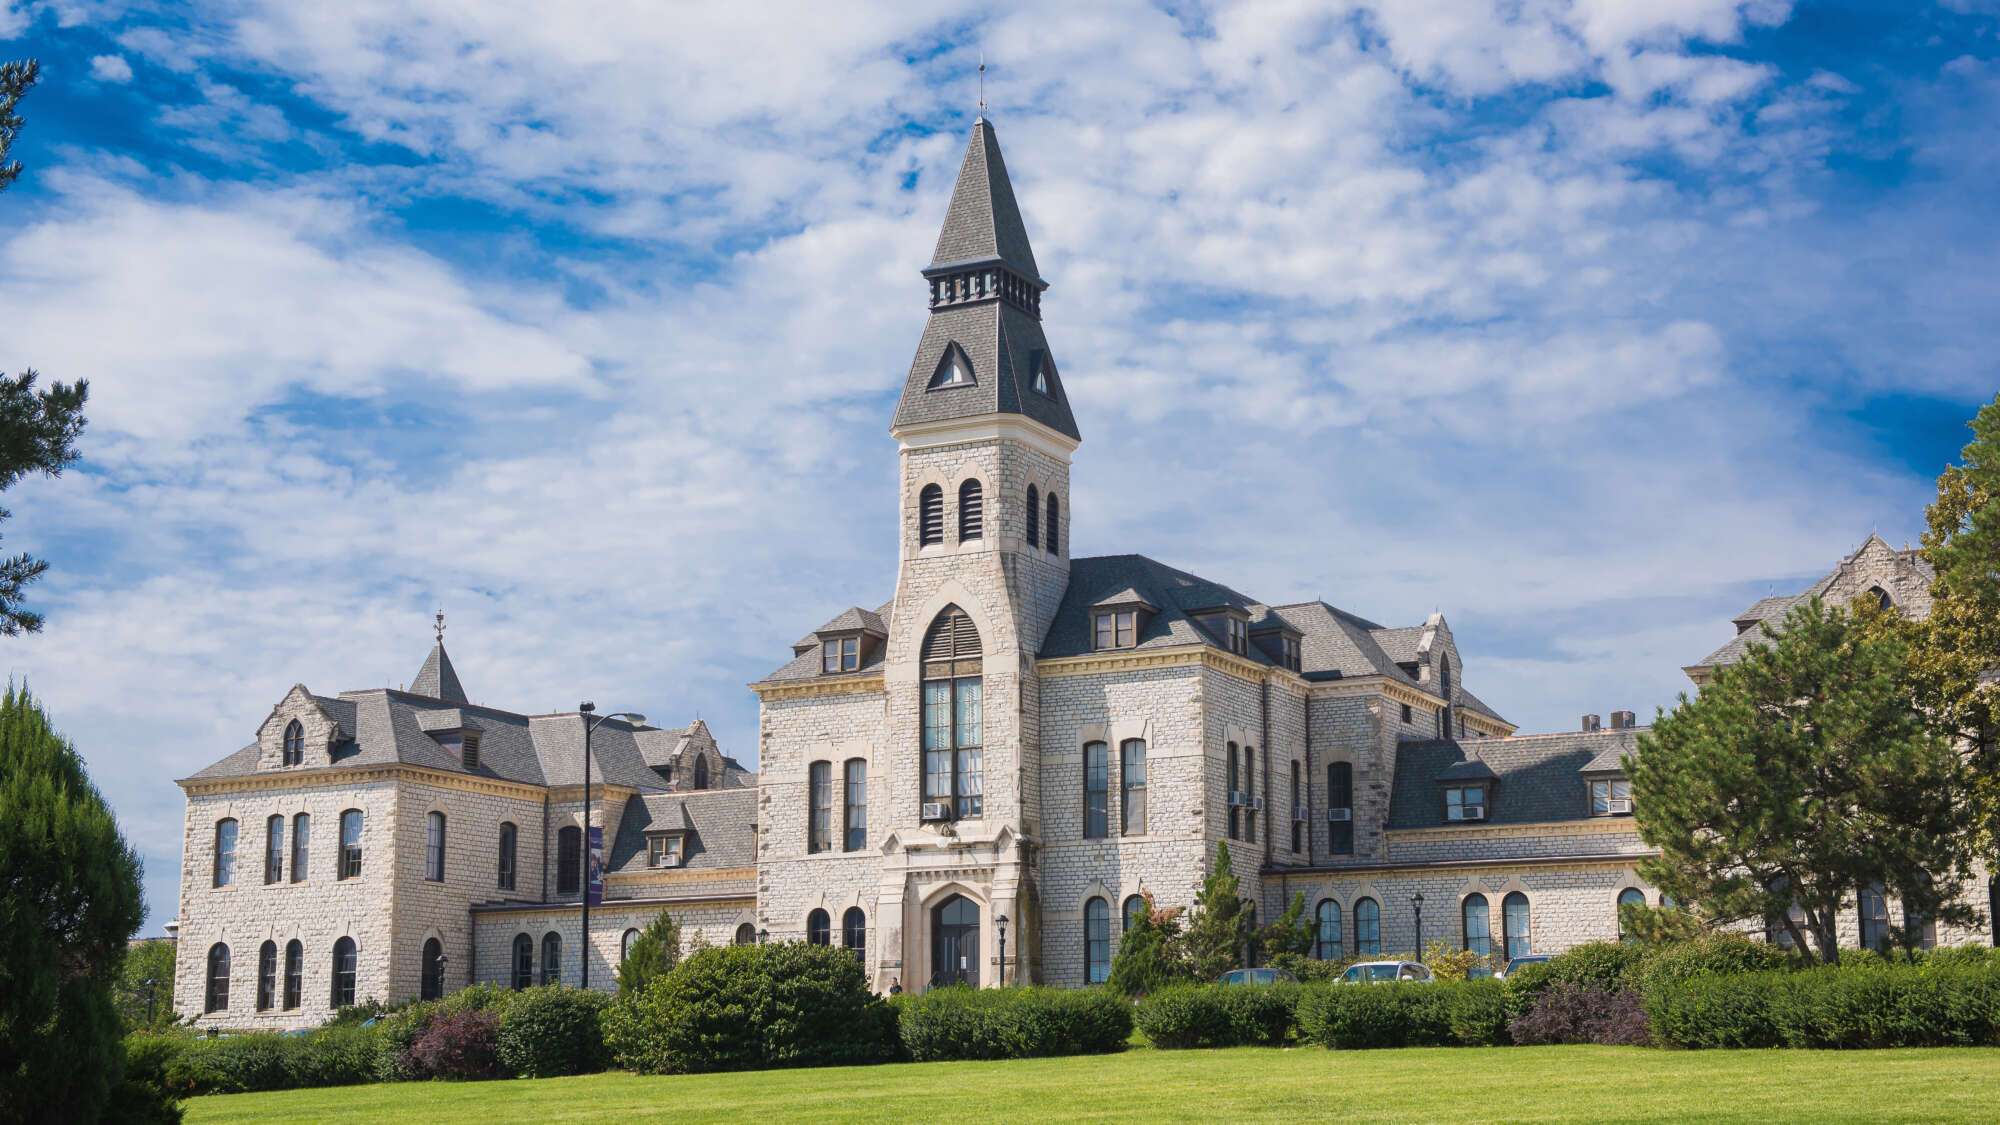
(440, 626)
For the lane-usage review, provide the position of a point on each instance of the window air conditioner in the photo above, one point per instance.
(1467, 812)
(1257, 804)
(935, 810)
(1339, 816)
(1621, 806)
(1236, 800)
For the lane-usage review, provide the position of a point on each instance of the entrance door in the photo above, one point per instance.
(955, 942)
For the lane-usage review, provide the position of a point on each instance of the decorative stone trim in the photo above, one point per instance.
(499, 909)
(391, 771)
(1548, 862)
(772, 691)
(1594, 826)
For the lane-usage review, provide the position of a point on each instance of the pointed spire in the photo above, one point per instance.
(437, 678)
(983, 222)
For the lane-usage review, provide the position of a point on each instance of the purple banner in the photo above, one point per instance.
(594, 883)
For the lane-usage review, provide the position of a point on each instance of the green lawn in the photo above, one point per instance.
(1249, 1084)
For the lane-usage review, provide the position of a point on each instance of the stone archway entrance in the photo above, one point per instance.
(955, 950)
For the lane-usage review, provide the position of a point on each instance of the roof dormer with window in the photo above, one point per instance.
(1229, 625)
(1119, 619)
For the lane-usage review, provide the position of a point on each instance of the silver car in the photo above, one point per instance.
(1381, 972)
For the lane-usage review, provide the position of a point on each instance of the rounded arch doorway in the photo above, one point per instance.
(955, 942)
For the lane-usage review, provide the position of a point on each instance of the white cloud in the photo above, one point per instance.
(110, 68)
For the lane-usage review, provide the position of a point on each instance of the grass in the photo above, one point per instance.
(1247, 1084)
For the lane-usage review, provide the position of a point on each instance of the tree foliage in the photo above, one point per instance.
(1799, 775)
(69, 901)
(654, 953)
(1221, 925)
(147, 961)
(1290, 933)
(1148, 955)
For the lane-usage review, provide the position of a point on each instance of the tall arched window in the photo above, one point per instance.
(701, 771)
(301, 845)
(295, 974)
(1298, 811)
(1096, 790)
(1476, 915)
(1132, 787)
(1520, 935)
(625, 945)
(217, 999)
(954, 758)
(350, 844)
(434, 847)
(224, 870)
(930, 515)
(569, 860)
(1444, 688)
(432, 987)
(1881, 597)
(295, 744)
(854, 805)
(1630, 896)
(1340, 808)
(1096, 941)
(524, 961)
(1328, 944)
(1250, 793)
(1235, 792)
(819, 928)
(1368, 928)
(1034, 517)
(1874, 919)
(509, 844)
(267, 976)
(274, 849)
(971, 511)
(1052, 534)
(552, 958)
(1135, 905)
(746, 934)
(819, 795)
(345, 966)
(854, 931)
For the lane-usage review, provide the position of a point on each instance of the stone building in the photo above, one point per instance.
(976, 780)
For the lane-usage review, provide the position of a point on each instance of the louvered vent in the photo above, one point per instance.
(1034, 517)
(951, 648)
(971, 510)
(930, 515)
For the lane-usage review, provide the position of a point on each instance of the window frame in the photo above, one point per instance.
(522, 970)
(1625, 898)
(819, 927)
(1461, 792)
(506, 874)
(1298, 808)
(1328, 946)
(664, 846)
(625, 941)
(1132, 789)
(1034, 508)
(1340, 784)
(434, 846)
(222, 864)
(350, 850)
(274, 849)
(1052, 526)
(930, 515)
(1096, 940)
(295, 975)
(430, 984)
(346, 975)
(1367, 927)
(301, 846)
(267, 975)
(215, 991)
(971, 510)
(293, 749)
(854, 932)
(569, 860)
(840, 654)
(1611, 786)
(552, 944)
(854, 805)
(1482, 944)
(1507, 934)
(819, 807)
(1096, 790)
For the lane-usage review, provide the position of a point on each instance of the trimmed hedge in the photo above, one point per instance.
(1216, 1015)
(1012, 1023)
(189, 1065)
(752, 1007)
(1708, 955)
(1404, 1014)
(1877, 1006)
(553, 1031)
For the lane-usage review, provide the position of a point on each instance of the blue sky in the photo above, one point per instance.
(1585, 322)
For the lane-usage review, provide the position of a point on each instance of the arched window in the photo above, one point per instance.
(274, 849)
(433, 982)
(1052, 534)
(819, 928)
(301, 845)
(295, 974)
(524, 961)
(1520, 935)
(854, 810)
(1368, 928)
(854, 931)
(1235, 792)
(569, 860)
(1328, 945)
(509, 843)
(701, 771)
(930, 515)
(1444, 689)
(1096, 790)
(1340, 808)
(1476, 915)
(217, 999)
(350, 844)
(267, 976)
(1298, 811)
(1881, 597)
(954, 758)
(625, 945)
(552, 958)
(434, 847)
(1132, 785)
(224, 871)
(1250, 793)
(295, 744)
(1096, 941)
(819, 795)
(1034, 517)
(1874, 919)
(971, 511)
(345, 965)
(1630, 896)
(953, 369)
(746, 934)
(1135, 906)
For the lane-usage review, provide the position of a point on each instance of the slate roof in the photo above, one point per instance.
(438, 679)
(1336, 643)
(983, 220)
(805, 661)
(721, 825)
(1537, 778)
(1174, 592)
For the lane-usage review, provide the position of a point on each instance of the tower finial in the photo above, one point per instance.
(440, 626)
(982, 85)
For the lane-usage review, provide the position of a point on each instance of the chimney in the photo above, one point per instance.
(1592, 722)
(1623, 720)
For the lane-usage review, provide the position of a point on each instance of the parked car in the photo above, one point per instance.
(1257, 976)
(1377, 972)
(1524, 959)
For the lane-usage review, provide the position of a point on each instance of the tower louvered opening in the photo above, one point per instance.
(951, 647)
(930, 515)
(971, 511)
(1034, 517)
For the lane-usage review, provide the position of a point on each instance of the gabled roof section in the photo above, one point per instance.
(437, 679)
(720, 827)
(984, 222)
(1539, 776)
(1875, 556)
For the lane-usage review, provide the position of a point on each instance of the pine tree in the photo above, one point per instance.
(1147, 958)
(1800, 775)
(1291, 934)
(654, 953)
(1221, 926)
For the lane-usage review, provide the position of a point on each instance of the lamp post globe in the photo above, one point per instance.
(587, 711)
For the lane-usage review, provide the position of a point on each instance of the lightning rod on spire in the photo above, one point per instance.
(982, 85)
(440, 626)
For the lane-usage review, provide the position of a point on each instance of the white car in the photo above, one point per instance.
(1380, 972)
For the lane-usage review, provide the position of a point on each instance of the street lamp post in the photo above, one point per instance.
(1000, 924)
(1417, 901)
(152, 985)
(591, 721)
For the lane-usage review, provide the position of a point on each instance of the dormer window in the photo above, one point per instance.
(1290, 649)
(1118, 629)
(840, 654)
(953, 370)
(295, 744)
(1041, 383)
(1465, 803)
(1611, 797)
(1237, 631)
(664, 850)
(471, 751)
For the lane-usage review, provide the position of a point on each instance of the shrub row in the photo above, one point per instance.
(1459, 1013)
(1213, 1015)
(1012, 1023)
(190, 1065)
(1882, 1005)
